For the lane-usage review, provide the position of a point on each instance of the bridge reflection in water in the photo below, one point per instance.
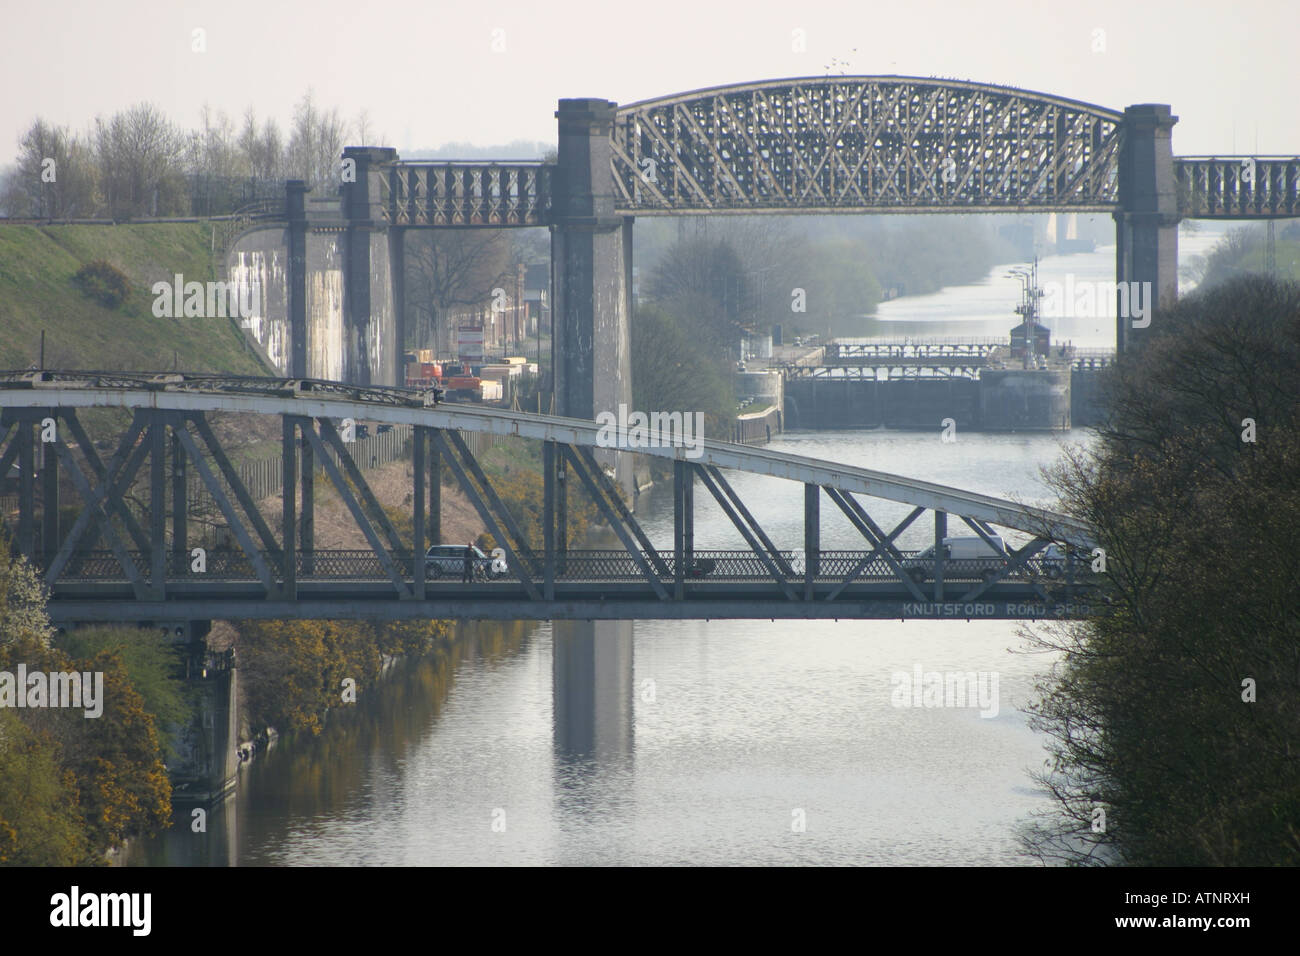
(593, 697)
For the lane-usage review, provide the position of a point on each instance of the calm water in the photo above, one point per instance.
(723, 742)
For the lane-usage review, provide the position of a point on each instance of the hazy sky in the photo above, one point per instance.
(428, 73)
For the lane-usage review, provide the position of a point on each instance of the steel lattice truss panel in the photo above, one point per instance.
(842, 144)
(438, 194)
(1238, 187)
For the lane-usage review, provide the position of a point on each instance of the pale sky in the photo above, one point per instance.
(428, 74)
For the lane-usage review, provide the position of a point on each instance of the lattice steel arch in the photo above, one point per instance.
(878, 143)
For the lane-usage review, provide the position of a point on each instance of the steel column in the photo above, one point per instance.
(26, 489)
(157, 505)
(561, 514)
(307, 511)
(288, 510)
(548, 519)
(417, 519)
(435, 487)
(812, 534)
(180, 504)
(49, 496)
(688, 514)
(681, 474)
(940, 532)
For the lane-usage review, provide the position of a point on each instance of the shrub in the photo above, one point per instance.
(103, 282)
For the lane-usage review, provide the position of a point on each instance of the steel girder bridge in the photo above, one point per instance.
(816, 145)
(845, 144)
(146, 569)
(810, 145)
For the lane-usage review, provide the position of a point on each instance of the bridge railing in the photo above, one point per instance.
(222, 564)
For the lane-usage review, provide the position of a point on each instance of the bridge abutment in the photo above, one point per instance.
(207, 764)
(1146, 228)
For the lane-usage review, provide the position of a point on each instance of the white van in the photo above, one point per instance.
(965, 556)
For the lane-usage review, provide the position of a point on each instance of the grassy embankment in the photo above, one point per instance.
(37, 291)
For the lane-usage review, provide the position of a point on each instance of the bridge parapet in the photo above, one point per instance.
(1238, 187)
(441, 194)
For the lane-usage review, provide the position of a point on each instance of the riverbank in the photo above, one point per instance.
(305, 773)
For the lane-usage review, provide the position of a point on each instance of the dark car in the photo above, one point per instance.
(448, 561)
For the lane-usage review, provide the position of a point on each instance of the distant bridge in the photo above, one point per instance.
(146, 570)
(808, 145)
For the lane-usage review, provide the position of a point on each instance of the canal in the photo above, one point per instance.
(718, 742)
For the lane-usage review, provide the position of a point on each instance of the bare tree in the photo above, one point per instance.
(316, 144)
(214, 150)
(364, 132)
(140, 155)
(262, 149)
(55, 175)
(449, 268)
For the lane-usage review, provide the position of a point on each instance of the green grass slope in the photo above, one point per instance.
(37, 291)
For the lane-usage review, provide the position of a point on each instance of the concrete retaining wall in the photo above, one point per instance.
(758, 428)
(334, 350)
